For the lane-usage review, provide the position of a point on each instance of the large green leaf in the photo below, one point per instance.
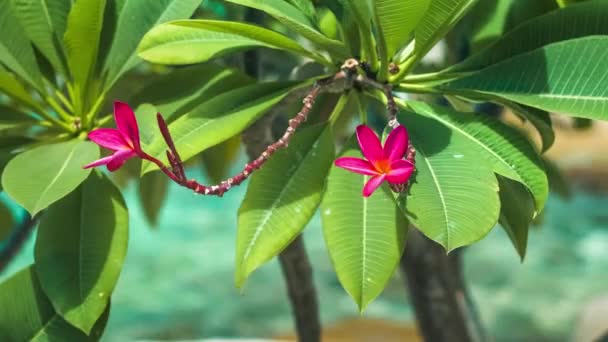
(281, 198)
(78, 272)
(565, 77)
(28, 315)
(219, 118)
(39, 177)
(291, 17)
(441, 16)
(136, 18)
(510, 153)
(365, 236)
(182, 89)
(397, 19)
(15, 49)
(219, 159)
(44, 22)
(516, 213)
(307, 7)
(585, 19)
(82, 37)
(195, 41)
(454, 196)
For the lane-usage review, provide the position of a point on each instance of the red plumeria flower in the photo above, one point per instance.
(124, 141)
(383, 164)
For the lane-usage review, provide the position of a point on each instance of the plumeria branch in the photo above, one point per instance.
(125, 139)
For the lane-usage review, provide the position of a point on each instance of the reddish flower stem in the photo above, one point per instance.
(178, 174)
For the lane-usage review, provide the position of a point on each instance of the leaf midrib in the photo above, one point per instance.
(54, 180)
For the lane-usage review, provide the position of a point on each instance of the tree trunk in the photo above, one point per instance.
(443, 308)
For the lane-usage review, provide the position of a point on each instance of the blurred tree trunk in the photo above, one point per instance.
(294, 259)
(17, 240)
(443, 308)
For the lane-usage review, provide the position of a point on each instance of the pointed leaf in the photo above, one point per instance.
(516, 213)
(305, 6)
(136, 18)
(82, 37)
(441, 16)
(585, 19)
(454, 196)
(28, 315)
(44, 22)
(510, 153)
(196, 41)
(295, 20)
(181, 90)
(553, 78)
(79, 271)
(39, 177)
(397, 20)
(281, 198)
(15, 49)
(365, 236)
(219, 118)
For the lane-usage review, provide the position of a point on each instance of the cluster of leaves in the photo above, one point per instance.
(59, 61)
(472, 170)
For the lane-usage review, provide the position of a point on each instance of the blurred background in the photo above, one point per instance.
(182, 245)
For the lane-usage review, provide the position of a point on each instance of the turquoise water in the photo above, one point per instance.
(178, 278)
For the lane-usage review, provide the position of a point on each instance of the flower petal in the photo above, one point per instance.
(396, 144)
(119, 158)
(109, 138)
(127, 124)
(373, 184)
(401, 171)
(98, 162)
(370, 144)
(356, 165)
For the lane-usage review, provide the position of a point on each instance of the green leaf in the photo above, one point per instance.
(136, 18)
(454, 196)
(39, 177)
(196, 41)
(10, 86)
(541, 120)
(281, 198)
(78, 272)
(516, 213)
(397, 19)
(585, 19)
(152, 193)
(307, 7)
(365, 236)
(295, 20)
(219, 118)
(507, 150)
(44, 22)
(15, 49)
(553, 78)
(7, 222)
(441, 16)
(82, 37)
(218, 159)
(181, 90)
(28, 315)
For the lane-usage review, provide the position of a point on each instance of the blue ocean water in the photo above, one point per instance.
(178, 278)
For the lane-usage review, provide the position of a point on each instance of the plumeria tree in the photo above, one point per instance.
(421, 163)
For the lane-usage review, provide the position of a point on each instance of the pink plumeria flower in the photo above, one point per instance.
(124, 141)
(383, 164)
